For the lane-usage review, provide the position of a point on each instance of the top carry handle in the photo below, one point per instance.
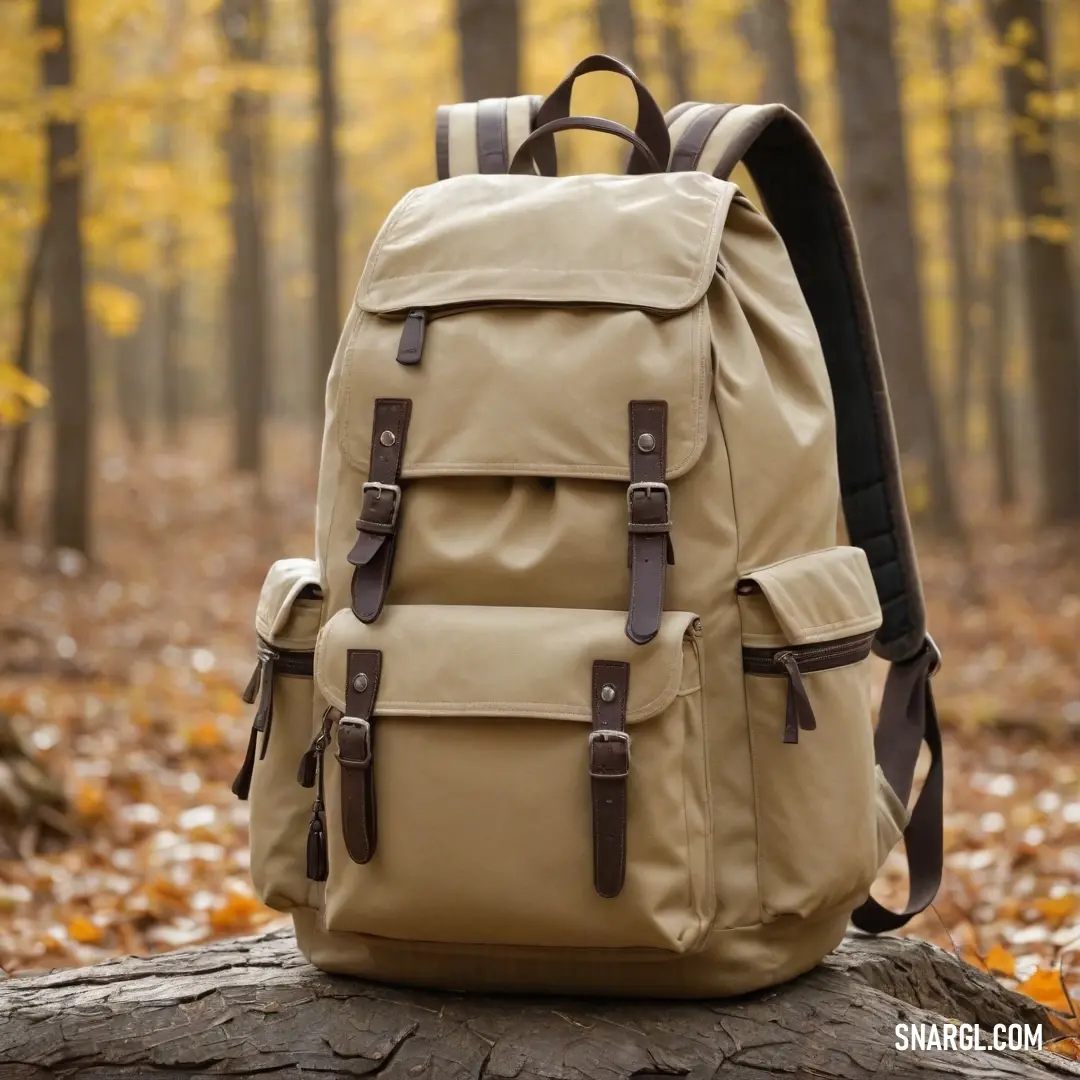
(484, 136)
(803, 200)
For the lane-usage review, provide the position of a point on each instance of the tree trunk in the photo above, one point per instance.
(999, 416)
(69, 346)
(1054, 338)
(129, 370)
(172, 316)
(172, 292)
(11, 496)
(877, 190)
(327, 220)
(776, 42)
(956, 197)
(244, 23)
(489, 33)
(253, 1008)
(618, 30)
(673, 48)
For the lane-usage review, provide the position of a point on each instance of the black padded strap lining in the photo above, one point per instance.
(804, 202)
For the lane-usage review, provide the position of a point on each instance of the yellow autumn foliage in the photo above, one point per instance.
(154, 81)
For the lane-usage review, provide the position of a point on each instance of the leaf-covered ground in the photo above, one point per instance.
(123, 677)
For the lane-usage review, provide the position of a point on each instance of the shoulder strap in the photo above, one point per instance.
(482, 136)
(804, 202)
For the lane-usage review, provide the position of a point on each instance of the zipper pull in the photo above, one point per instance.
(251, 691)
(264, 715)
(411, 345)
(309, 763)
(799, 713)
(317, 863)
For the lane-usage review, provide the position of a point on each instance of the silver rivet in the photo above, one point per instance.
(646, 443)
(360, 683)
(387, 438)
(607, 692)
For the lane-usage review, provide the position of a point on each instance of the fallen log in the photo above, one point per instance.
(253, 1007)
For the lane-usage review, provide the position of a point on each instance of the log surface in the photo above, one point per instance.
(254, 1008)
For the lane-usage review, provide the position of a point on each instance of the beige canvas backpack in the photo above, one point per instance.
(575, 694)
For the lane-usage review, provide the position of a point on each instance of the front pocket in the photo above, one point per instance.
(475, 798)
(282, 688)
(807, 628)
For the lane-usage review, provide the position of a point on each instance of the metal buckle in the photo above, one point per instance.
(609, 735)
(374, 485)
(648, 486)
(366, 728)
(935, 663)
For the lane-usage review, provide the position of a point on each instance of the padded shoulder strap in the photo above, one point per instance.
(804, 202)
(482, 136)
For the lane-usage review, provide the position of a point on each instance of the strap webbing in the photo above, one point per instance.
(908, 719)
(804, 202)
(482, 136)
(802, 198)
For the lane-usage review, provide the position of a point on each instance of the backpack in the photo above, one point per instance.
(575, 694)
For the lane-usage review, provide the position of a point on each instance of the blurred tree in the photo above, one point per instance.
(69, 349)
(324, 191)
(876, 186)
(130, 369)
(1051, 296)
(490, 48)
(956, 197)
(677, 60)
(999, 415)
(11, 493)
(773, 37)
(172, 285)
(618, 30)
(244, 25)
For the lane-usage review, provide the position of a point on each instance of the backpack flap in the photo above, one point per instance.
(537, 346)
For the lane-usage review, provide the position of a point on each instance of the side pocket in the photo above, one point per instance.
(287, 624)
(807, 628)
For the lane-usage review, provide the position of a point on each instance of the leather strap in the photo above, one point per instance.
(609, 767)
(355, 754)
(373, 553)
(648, 503)
(492, 153)
(686, 152)
(527, 156)
(650, 126)
(908, 718)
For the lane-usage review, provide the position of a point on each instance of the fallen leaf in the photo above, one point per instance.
(82, 930)
(1057, 909)
(1046, 988)
(1000, 961)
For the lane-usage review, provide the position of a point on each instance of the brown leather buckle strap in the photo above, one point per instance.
(355, 754)
(609, 767)
(373, 553)
(648, 504)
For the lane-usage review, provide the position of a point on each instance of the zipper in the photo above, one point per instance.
(794, 661)
(271, 662)
(309, 775)
(411, 343)
(831, 654)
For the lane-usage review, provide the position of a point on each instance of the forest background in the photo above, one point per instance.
(207, 176)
